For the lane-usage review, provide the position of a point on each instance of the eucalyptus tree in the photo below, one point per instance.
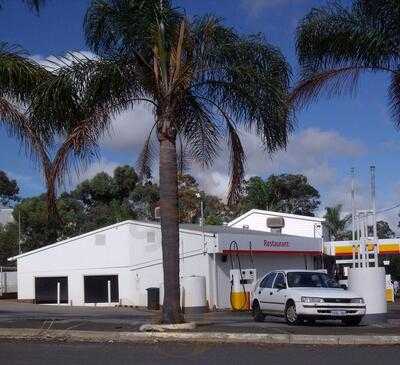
(203, 81)
(337, 44)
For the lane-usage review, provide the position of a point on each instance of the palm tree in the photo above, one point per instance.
(335, 224)
(57, 142)
(336, 45)
(203, 80)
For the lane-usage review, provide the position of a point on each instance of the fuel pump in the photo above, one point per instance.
(242, 281)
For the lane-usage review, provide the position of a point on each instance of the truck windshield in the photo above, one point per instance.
(310, 280)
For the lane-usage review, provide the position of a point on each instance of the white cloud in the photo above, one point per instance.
(130, 129)
(310, 152)
(254, 7)
(52, 62)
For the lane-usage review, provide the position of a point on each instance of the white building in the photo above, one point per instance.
(116, 264)
(6, 215)
(298, 225)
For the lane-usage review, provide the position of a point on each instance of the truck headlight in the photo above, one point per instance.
(357, 300)
(312, 300)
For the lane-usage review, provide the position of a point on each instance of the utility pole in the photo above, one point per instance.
(198, 195)
(373, 201)
(353, 206)
(373, 207)
(19, 232)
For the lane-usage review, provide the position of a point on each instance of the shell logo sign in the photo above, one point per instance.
(383, 248)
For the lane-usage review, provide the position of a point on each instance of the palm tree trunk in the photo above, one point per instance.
(170, 231)
(53, 218)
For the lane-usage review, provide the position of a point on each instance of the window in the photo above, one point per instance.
(96, 288)
(280, 281)
(151, 237)
(100, 239)
(310, 280)
(268, 280)
(46, 289)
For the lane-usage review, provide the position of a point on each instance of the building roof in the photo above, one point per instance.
(184, 228)
(277, 214)
(208, 229)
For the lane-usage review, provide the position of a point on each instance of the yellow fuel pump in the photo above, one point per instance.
(242, 281)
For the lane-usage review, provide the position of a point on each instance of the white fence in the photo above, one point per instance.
(8, 280)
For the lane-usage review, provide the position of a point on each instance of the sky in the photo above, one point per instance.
(331, 136)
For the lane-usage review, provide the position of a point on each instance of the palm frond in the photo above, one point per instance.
(331, 82)
(394, 98)
(237, 159)
(199, 131)
(127, 26)
(247, 78)
(19, 75)
(335, 43)
(147, 156)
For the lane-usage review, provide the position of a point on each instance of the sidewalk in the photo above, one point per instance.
(32, 322)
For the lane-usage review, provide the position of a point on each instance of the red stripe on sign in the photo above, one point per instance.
(350, 254)
(312, 253)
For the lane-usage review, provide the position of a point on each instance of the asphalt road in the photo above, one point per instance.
(98, 354)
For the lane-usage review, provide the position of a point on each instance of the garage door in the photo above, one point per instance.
(96, 288)
(46, 289)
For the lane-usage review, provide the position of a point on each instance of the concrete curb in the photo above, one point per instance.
(167, 327)
(28, 334)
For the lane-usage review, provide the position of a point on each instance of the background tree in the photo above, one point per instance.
(8, 189)
(383, 230)
(336, 224)
(257, 195)
(281, 193)
(125, 179)
(203, 80)
(336, 44)
(8, 242)
(145, 198)
(188, 202)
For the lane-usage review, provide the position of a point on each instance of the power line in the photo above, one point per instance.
(388, 209)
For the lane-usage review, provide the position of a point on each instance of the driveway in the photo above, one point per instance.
(19, 315)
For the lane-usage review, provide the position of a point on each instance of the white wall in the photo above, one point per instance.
(294, 225)
(131, 250)
(263, 264)
(108, 252)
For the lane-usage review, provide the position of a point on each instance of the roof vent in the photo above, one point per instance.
(276, 224)
(246, 226)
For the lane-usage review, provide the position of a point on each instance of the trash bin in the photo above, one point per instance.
(153, 298)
